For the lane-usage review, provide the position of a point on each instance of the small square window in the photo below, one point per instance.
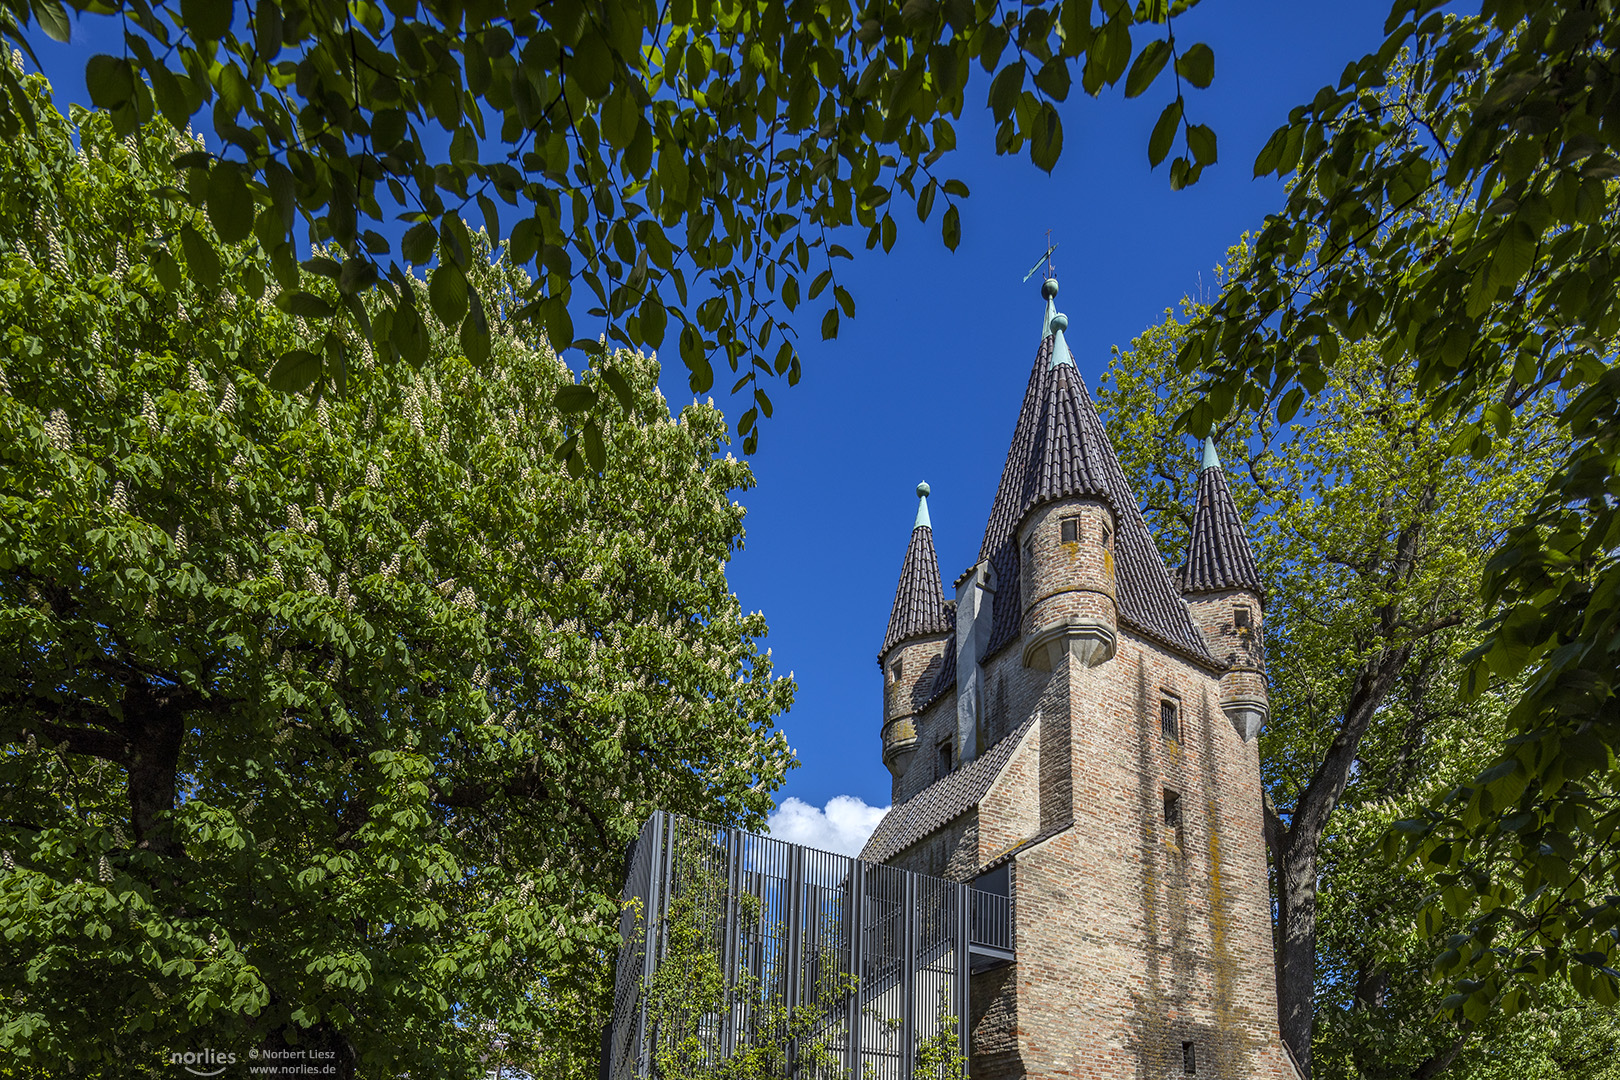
(895, 669)
(1240, 616)
(1189, 1058)
(1169, 720)
(1070, 530)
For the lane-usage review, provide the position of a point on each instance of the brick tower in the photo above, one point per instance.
(1077, 731)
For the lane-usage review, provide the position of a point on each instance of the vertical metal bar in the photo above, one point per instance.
(728, 1018)
(964, 971)
(908, 977)
(857, 963)
(793, 962)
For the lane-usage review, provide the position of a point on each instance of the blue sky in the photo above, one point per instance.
(924, 383)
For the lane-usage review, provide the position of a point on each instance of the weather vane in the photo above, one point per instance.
(1046, 257)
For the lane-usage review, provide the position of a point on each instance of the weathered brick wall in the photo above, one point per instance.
(1011, 810)
(951, 852)
(1131, 940)
(920, 663)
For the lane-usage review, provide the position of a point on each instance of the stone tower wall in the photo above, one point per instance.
(920, 662)
(1133, 937)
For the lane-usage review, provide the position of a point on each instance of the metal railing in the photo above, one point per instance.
(990, 921)
(848, 967)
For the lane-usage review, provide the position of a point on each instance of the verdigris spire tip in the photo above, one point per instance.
(1049, 291)
(1060, 346)
(1212, 460)
(922, 507)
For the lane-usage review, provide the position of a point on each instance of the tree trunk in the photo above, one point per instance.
(155, 728)
(1296, 951)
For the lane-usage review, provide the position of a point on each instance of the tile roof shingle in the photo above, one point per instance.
(919, 601)
(1218, 554)
(942, 801)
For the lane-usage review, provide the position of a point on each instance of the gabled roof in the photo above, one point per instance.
(943, 801)
(1218, 555)
(919, 600)
(1060, 450)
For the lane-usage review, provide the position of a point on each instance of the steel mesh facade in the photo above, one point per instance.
(851, 967)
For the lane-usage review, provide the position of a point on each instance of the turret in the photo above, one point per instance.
(1222, 589)
(1066, 543)
(914, 646)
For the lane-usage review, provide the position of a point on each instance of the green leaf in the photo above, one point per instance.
(595, 452)
(110, 81)
(950, 229)
(621, 389)
(1149, 62)
(575, 398)
(295, 371)
(230, 204)
(1197, 65)
(206, 20)
(200, 258)
(1004, 90)
(474, 335)
(418, 243)
(1201, 140)
(1289, 406)
(829, 324)
(1164, 133)
(447, 293)
(1046, 139)
(53, 19)
(305, 304)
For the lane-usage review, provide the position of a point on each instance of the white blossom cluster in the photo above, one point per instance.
(59, 431)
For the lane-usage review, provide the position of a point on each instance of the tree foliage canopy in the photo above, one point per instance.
(1470, 226)
(1371, 536)
(326, 721)
(689, 164)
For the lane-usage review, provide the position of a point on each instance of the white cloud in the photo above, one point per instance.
(842, 827)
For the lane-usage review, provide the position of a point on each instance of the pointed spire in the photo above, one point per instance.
(1218, 554)
(1060, 450)
(1060, 347)
(919, 599)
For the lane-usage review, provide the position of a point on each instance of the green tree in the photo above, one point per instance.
(1370, 536)
(689, 164)
(324, 722)
(1469, 225)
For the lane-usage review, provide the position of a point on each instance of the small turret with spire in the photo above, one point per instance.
(1223, 593)
(914, 646)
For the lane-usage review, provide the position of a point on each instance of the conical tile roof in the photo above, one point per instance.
(919, 600)
(1218, 554)
(1060, 451)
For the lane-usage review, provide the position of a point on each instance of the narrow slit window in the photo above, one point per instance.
(895, 669)
(1069, 530)
(1107, 537)
(1189, 1058)
(1172, 814)
(1169, 720)
(944, 766)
